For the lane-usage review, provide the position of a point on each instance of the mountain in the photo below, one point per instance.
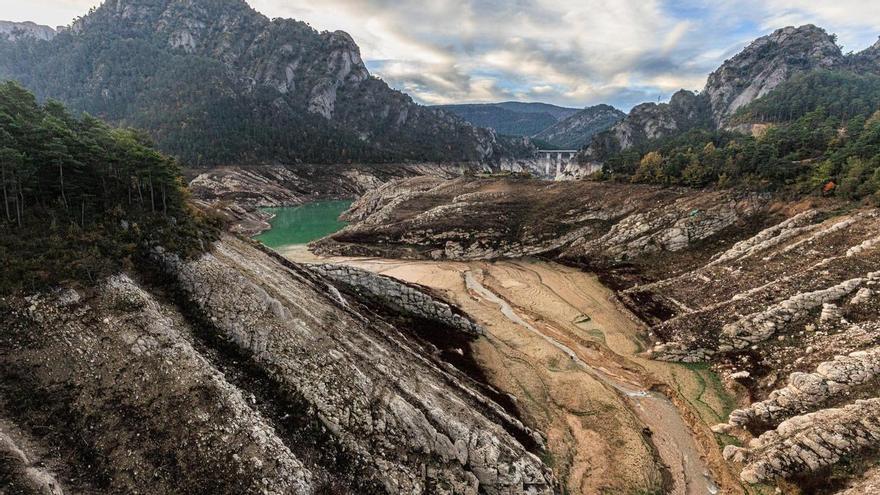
(215, 82)
(140, 346)
(766, 63)
(18, 30)
(575, 131)
(650, 121)
(511, 118)
(557, 112)
(759, 69)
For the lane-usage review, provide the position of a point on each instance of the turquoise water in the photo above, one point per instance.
(303, 224)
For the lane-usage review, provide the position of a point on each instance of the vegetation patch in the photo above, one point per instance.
(81, 201)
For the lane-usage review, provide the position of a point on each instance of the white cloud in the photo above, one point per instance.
(573, 52)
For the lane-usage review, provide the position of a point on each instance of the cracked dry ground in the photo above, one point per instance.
(557, 342)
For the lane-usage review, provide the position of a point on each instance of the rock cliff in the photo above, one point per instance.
(767, 62)
(18, 30)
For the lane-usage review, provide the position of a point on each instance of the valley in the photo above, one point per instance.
(245, 254)
(559, 343)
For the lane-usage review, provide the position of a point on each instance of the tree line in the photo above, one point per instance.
(817, 133)
(79, 198)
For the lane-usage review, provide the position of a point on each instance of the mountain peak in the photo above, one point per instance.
(767, 62)
(195, 73)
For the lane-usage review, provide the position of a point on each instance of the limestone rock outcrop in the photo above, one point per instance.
(403, 298)
(807, 392)
(808, 443)
(18, 30)
(485, 219)
(398, 416)
(766, 63)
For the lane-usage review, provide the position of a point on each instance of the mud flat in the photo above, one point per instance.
(559, 343)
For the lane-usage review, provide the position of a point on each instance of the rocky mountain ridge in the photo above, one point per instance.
(753, 73)
(270, 74)
(511, 118)
(575, 131)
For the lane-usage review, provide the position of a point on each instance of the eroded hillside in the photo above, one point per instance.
(239, 372)
(779, 297)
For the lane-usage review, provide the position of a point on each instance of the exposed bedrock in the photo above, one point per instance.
(806, 392)
(403, 298)
(484, 219)
(242, 373)
(810, 442)
(134, 403)
(418, 426)
(780, 297)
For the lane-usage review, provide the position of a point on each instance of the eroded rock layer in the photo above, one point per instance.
(761, 288)
(242, 373)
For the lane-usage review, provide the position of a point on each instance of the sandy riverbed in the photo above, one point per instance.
(558, 343)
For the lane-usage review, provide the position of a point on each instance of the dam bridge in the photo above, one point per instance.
(555, 159)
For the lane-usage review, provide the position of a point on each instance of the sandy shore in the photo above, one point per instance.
(559, 343)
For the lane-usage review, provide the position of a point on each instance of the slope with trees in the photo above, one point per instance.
(218, 83)
(81, 199)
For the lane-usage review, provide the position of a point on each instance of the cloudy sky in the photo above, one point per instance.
(568, 52)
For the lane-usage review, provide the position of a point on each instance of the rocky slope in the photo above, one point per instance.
(488, 218)
(241, 373)
(17, 30)
(753, 73)
(778, 297)
(767, 62)
(256, 90)
(575, 132)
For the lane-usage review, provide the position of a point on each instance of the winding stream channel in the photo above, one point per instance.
(672, 436)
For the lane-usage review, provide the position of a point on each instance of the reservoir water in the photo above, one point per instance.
(305, 223)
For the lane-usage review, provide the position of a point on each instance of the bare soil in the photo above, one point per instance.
(559, 342)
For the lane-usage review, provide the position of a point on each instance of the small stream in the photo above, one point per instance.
(654, 409)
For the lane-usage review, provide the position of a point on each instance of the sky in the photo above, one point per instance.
(567, 52)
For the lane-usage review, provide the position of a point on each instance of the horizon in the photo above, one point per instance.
(638, 52)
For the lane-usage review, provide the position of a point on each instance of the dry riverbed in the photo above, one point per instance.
(560, 344)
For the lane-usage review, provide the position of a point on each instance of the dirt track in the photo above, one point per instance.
(559, 344)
